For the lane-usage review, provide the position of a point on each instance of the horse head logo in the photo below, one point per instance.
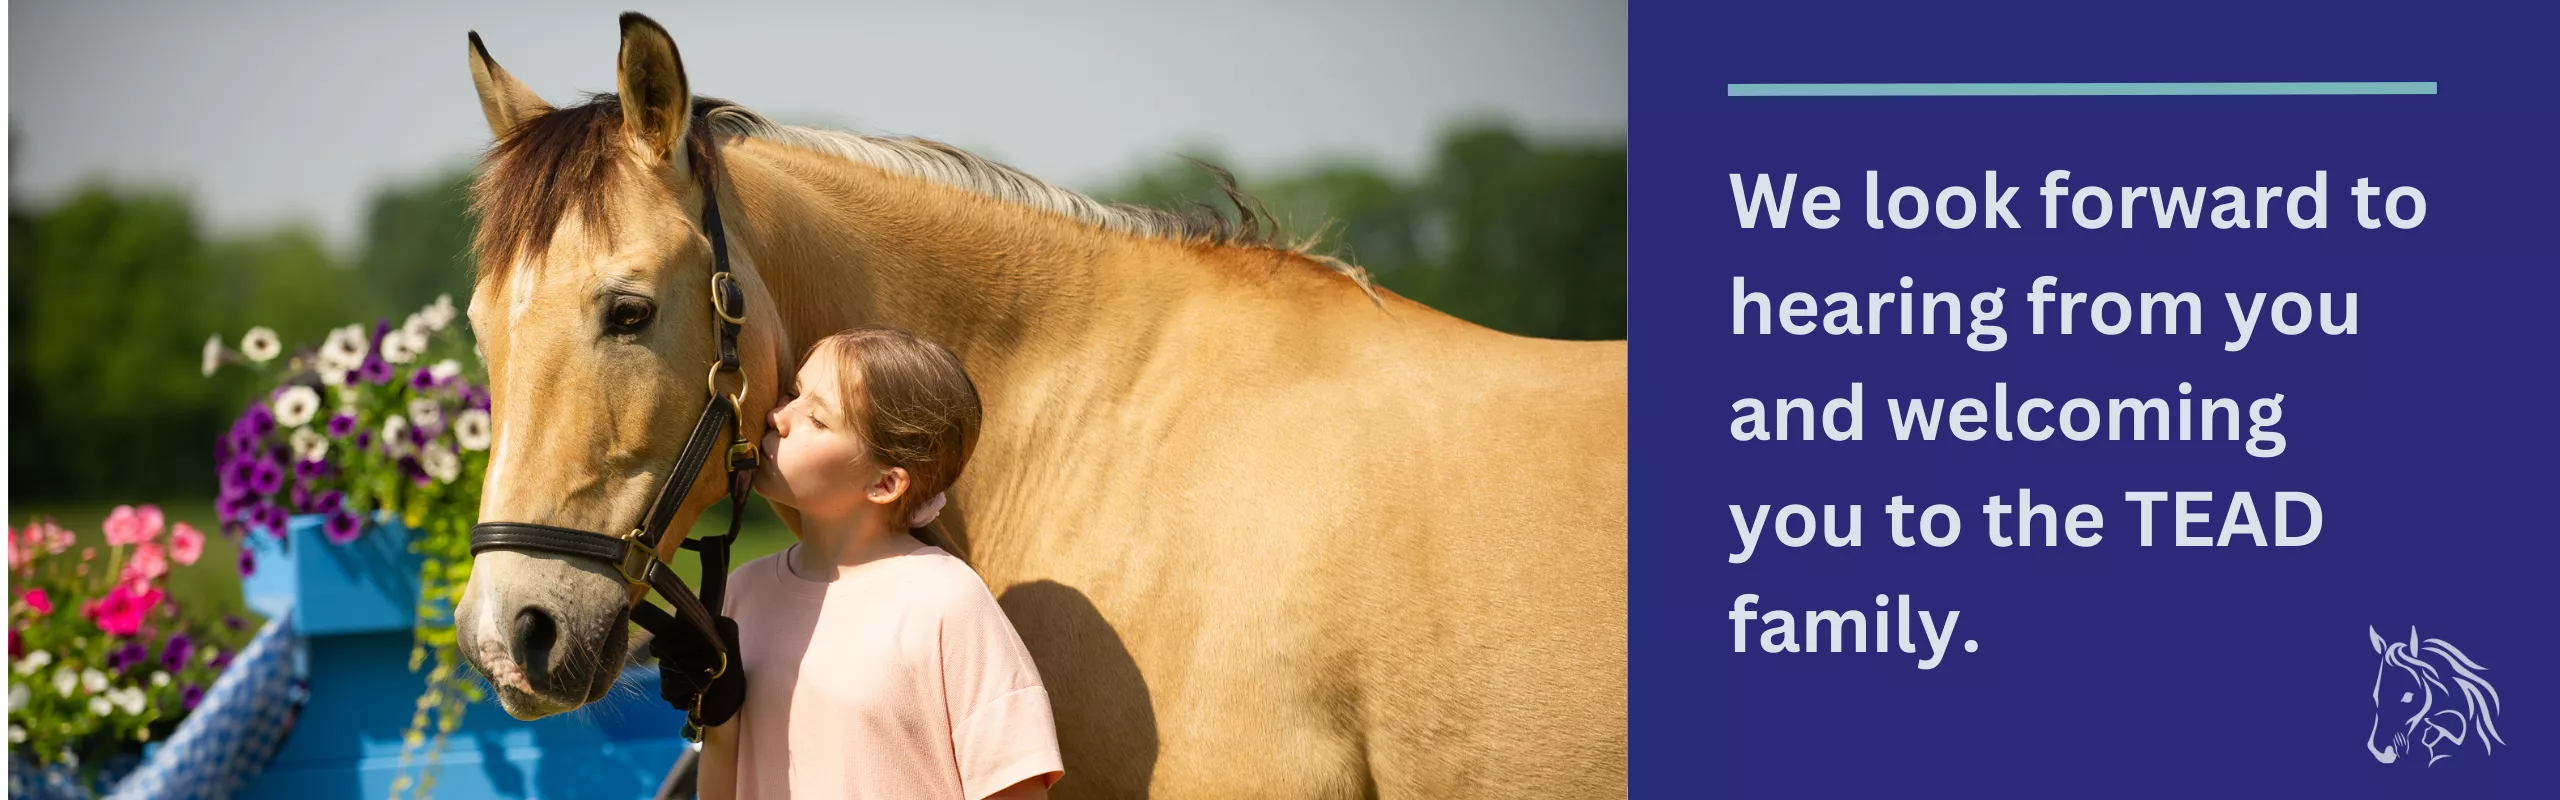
(2434, 695)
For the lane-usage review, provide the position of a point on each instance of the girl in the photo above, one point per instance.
(877, 665)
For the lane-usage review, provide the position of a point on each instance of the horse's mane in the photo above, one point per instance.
(561, 163)
(2481, 704)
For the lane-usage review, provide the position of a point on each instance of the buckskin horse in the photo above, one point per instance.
(1268, 530)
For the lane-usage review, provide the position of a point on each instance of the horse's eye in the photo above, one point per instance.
(2408, 696)
(628, 315)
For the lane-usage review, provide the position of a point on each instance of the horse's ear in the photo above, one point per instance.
(2413, 640)
(657, 103)
(2370, 633)
(503, 99)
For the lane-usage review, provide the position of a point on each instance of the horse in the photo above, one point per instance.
(2424, 682)
(1267, 528)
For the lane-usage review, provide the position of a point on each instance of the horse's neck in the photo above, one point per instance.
(840, 244)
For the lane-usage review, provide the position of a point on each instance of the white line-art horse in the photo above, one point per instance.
(2436, 673)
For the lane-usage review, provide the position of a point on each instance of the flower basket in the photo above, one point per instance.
(224, 743)
(116, 686)
(367, 585)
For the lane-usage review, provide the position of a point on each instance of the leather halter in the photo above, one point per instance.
(635, 554)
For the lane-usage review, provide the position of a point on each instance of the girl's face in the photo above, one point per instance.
(814, 463)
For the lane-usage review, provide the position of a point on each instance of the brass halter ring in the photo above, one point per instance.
(720, 283)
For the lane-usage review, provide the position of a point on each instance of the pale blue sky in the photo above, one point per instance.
(268, 112)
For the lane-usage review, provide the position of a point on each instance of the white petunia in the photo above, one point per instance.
(100, 706)
(345, 349)
(18, 696)
(441, 314)
(65, 680)
(395, 436)
(260, 344)
(309, 445)
(93, 680)
(295, 407)
(159, 678)
(424, 413)
(34, 661)
(129, 698)
(212, 355)
(395, 348)
(471, 429)
(332, 377)
(417, 328)
(17, 735)
(441, 463)
(445, 370)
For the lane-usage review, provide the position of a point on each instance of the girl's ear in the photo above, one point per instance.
(886, 489)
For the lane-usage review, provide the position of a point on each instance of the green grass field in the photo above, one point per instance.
(211, 587)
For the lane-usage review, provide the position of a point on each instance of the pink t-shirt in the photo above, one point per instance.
(900, 679)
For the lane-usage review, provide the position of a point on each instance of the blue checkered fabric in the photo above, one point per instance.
(224, 743)
(234, 732)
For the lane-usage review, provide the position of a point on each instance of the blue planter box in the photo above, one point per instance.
(355, 607)
(365, 586)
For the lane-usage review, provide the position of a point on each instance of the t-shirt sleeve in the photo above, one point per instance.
(1002, 732)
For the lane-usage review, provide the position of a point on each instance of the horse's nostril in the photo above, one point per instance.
(534, 635)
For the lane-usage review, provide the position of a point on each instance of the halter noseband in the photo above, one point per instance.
(634, 555)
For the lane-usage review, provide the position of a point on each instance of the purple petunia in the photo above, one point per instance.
(475, 397)
(301, 499)
(330, 500)
(124, 657)
(342, 424)
(364, 440)
(266, 476)
(375, 369)
(173, 656)
(417, 474)
(231, 508)
(310, 470)
(342, 526)
(248, 562)
(239, 440)
(189, 696)
(235, 622)
(221, 659)
(422, 380)
(261, 421)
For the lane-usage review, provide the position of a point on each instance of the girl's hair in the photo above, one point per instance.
(910, 404)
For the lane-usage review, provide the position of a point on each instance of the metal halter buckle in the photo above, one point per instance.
(723, 283)
(638, 561)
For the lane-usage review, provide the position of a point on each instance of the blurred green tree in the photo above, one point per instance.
(1517, 236)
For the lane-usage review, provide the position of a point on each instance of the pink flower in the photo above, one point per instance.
(148, 564)
(57, 538)
(37, 600)
(185, 544)
(129, 525)
(121, 611)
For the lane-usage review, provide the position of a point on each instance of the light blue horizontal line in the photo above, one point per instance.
(2073, 89)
